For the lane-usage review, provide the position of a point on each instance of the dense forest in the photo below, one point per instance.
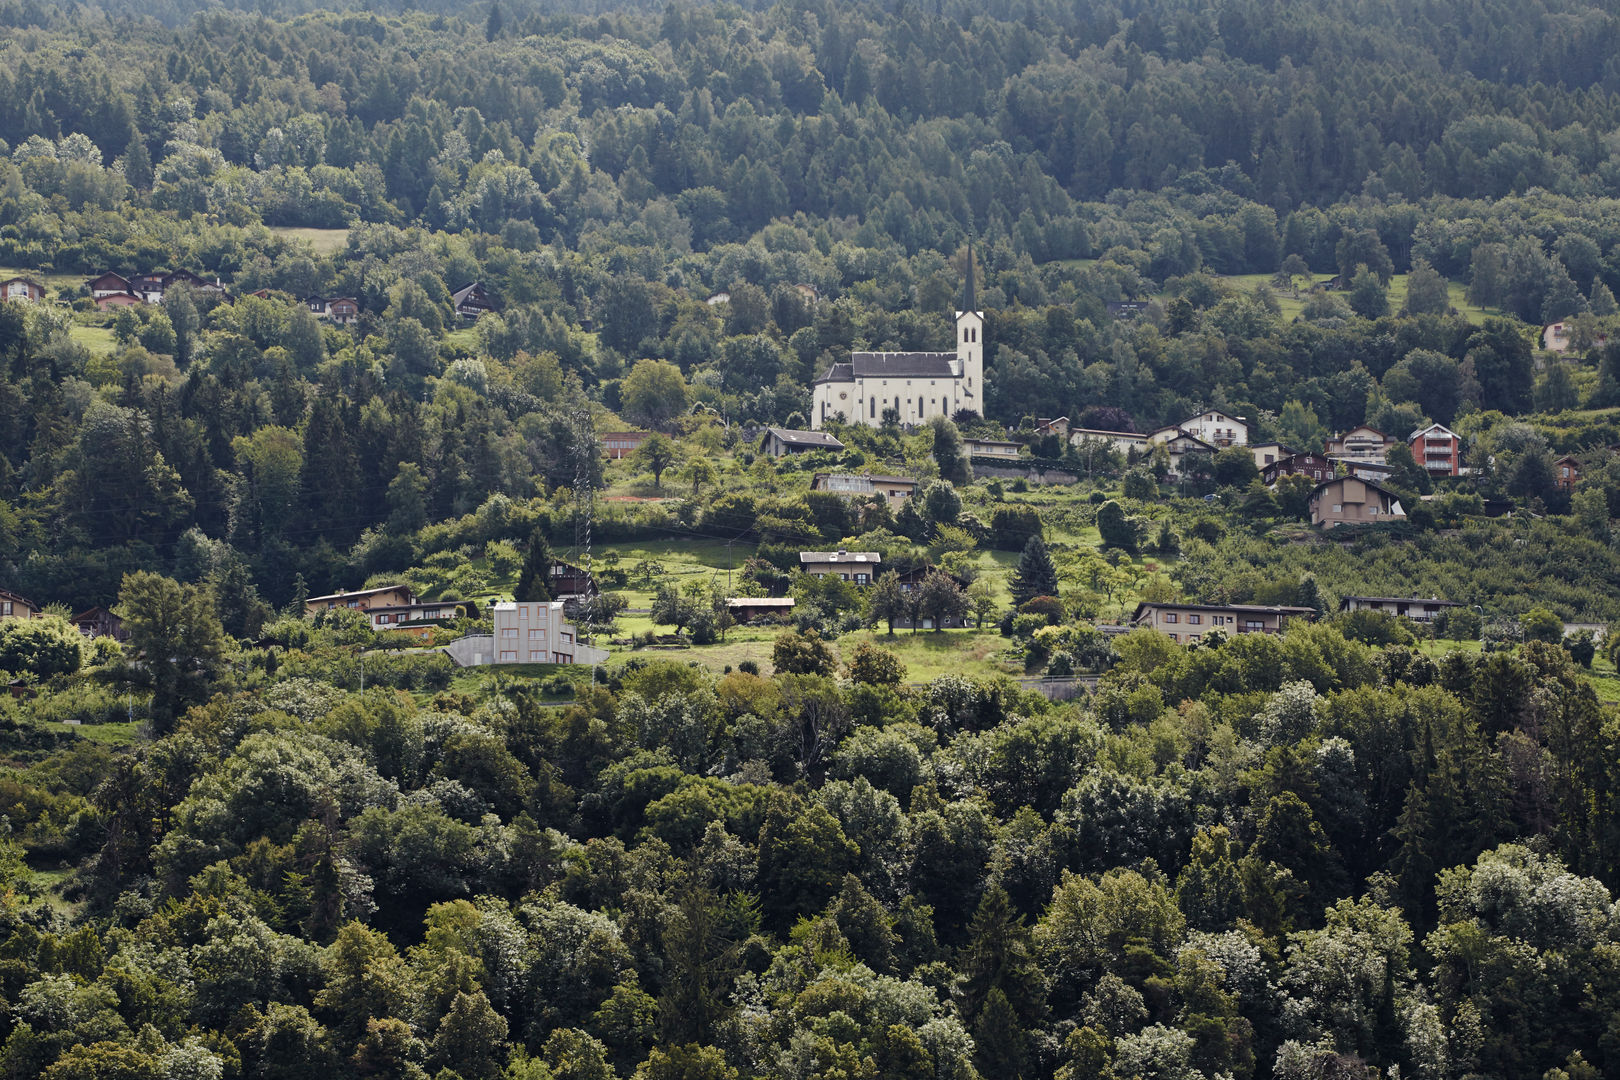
(243, 844)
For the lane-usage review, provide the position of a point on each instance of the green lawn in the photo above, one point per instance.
(927, 655)
(121, 734)
(1292, 306)
(98, 339)
(323, 241)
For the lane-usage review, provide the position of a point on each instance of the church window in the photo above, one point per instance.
(871, 408)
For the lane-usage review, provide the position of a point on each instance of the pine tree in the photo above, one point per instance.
(534, 580)
(495, 24)
(999, 960)
(1036, 574)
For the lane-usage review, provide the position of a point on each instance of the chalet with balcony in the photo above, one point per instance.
(1217, 429)
(1314, 467)
(1350, 500)
(1362, 443)
(860, 567)
(1189, 622)
(385, 596)
(471, 301)
(1437, 449)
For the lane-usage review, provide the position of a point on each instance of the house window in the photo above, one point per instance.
(537, 657)
(537, 635)
(5, 608)
(1338, 508)
(1172, 617)
(862, 579)
(568, 639)
(509, 632)
(508, 656)
(1195, 619)
(1174, 638)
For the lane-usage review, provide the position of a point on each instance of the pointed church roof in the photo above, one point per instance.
(970, 298)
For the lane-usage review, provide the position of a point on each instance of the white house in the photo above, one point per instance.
(1217, 429)
(917, 385)
(537, 633)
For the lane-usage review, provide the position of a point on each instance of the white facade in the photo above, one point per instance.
(919, 386)
(1217, 429)
(537, 633)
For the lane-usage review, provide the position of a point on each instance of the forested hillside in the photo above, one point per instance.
(951, 818)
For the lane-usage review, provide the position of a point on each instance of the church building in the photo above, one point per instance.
(917, 385)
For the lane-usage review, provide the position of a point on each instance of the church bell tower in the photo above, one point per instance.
(970, 345)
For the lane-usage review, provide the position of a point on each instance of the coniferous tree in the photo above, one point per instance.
(534, 580)
(1036, 574)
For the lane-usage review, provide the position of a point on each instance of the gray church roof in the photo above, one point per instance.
(903, 365)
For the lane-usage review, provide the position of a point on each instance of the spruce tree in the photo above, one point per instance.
(534, 580)
(1036, 574)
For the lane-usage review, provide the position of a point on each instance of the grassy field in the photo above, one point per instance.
(1292, 306)
(123, 734)
(98, 339)
(323, 241)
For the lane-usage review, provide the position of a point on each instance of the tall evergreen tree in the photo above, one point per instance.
(1036, 574)
(534, 580)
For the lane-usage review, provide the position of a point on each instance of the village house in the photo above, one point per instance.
(1123, 442)
(1350, 500)
(112, 289)
(749, 609)
(384, 596)
(1418, 609)
(1567, 472)
(779, 442)
(1181, 446)
(1362, 443)
(1269, 454)
(860, 567)
(1217, 429)
(1188, 622)
(917, 386)
(621, 444)
(1315, 467)
(99, 622)
(117, 300)
(893, 488)
(415, 619)
(471, 301)
(17, 606)
(539, 633)
(340, 309)
(22, 288)
(1438, 449)
(109, 284)
(910, 581)
(994, 448)
(1056, 425)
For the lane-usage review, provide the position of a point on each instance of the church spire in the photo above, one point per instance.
(970, 299)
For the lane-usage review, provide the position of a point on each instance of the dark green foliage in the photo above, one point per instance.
(1036, 574)
(534, 580)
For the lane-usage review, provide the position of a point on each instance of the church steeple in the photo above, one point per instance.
(970, 299)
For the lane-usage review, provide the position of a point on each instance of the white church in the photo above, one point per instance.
(918, 385)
